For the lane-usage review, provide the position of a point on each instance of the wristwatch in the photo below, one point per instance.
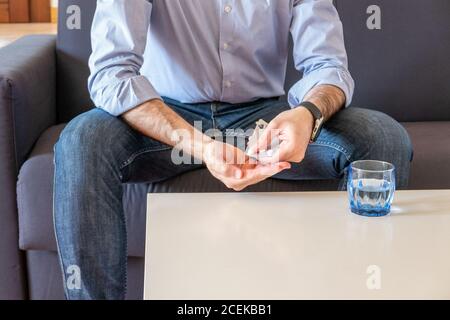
(319, 120)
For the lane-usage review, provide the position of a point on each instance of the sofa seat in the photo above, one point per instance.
(35, 184)
(431, 164)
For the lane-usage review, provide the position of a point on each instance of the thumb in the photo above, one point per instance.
(265, 139)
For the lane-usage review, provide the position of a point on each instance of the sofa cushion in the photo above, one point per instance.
(431, 163)
(34, 192)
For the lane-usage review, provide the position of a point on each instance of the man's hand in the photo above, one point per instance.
(225, 162)
(231, 166)
(293, 128)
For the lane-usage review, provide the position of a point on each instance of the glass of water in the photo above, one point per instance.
(371, 187)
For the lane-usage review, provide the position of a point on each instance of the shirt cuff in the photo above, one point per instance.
(118, 98)
(328, 76)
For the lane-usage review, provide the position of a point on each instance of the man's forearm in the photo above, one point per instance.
(156, 120)
(328, 98)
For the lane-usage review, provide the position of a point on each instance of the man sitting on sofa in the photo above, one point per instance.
(158, 66)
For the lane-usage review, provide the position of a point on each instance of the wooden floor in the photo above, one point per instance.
(10, 32)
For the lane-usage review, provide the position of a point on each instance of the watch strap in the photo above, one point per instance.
(318, 118)
(312, 108)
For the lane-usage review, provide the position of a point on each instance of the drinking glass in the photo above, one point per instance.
(371, 187)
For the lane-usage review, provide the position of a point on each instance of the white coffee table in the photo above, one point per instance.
(296, 246)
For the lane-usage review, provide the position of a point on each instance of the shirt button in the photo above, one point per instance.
(228, 8)
(227, 84)
(226, 45)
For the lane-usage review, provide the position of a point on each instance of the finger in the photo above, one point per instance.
(251, 161)
(254, 174)
(234, 172)
(241, 157)
(270, 170)
(280, 154)
(262, 171)
(234, 156)
(265, 139)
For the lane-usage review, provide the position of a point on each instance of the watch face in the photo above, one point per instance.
(317, 129)
(319, 119)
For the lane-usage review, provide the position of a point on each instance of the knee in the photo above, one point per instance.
(383, 136)
(390, 138)
(87, 135)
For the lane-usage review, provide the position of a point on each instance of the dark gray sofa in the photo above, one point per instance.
(402, 69)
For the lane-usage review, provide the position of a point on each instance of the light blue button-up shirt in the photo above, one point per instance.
(198, 51)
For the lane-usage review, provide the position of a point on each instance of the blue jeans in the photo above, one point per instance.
(97, 153)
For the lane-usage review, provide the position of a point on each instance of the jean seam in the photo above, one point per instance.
(141, 152)
(125, 266)
(213, 119)
(58, 248)
(336, 147)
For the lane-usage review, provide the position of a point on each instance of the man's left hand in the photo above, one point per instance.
(293, 128)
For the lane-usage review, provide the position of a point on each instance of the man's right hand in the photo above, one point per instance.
(232, 166)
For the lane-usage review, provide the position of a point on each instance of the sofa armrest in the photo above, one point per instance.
(27, 108)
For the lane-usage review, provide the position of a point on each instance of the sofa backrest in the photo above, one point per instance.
(402, 69)
(73, 50)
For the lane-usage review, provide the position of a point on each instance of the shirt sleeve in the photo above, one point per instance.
(319, 50)
(119, 37)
